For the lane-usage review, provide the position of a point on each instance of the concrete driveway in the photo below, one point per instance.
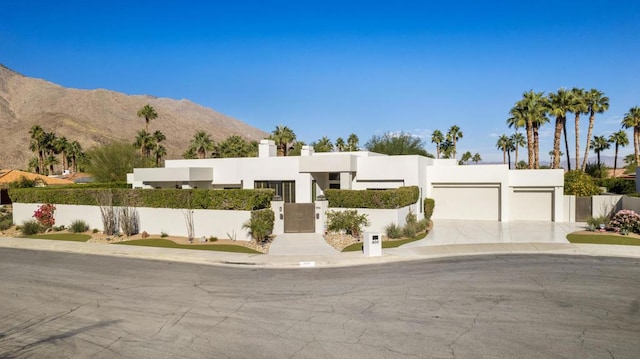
(446, 232)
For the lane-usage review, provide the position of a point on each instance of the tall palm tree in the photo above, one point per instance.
(36, 145)
(476, 158)
(159, 151)
(578, 107)
(61, 145)
(48, 144)
(148, 113)
(437, 137)
(559, 104)
(340, 144)
(518, 141)
(599, 144)
(74, 151)
(283, 136)
(503, 145)
(353, 142)
(465, 158)
(323, 145)
(144, 141)
(530, 113)
(202, 143)
(596, 102)
(454, 134)
(632, 120)
(619, 139)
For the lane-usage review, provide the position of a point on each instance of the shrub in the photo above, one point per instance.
(423, 224)
(30, 227)
(580, 184)
(595, 222)
(429, 205)
(625, 221)
(212, 239)
(618, 185)
(23, 182)
(6, 221)
(78, 226)
(384, 199)
(128, 219)
(393, 231)
(348, 221)
(410, 230)
(95, 230)
(260, 225)
(596, 171)
(163, 234)
(44, 215)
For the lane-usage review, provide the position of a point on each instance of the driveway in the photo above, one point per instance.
(446, 232)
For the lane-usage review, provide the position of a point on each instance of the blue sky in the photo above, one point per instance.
(336, 67)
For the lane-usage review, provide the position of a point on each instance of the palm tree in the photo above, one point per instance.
(596, 102)
(353, 142)
(202, 143)
(518, 141)
(465, 158)
(159, 152)
(599, 144)
(503, 145)
(619, 139)
(74, 151)
(454, 134)
(323, 145)
(36, 145)
(61, 145)
(49, 150)
(340, 144)
(632, 120)
(578, 107)
(144, 141)
(437, 137)
(476, 158)
(283, 136)
(530, 113)
(148, 113)
(50, 161)
(559, 104)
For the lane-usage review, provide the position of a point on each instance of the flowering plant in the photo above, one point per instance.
(625, 221)
(44, 215)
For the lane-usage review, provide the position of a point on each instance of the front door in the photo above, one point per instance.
(299, 217)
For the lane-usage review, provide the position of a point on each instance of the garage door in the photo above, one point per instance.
(471, 202)
(531, 205)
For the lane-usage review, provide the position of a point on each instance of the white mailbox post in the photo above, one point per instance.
(372, 246)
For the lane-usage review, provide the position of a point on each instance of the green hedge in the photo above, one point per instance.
(379, 199)
(429, 205)
(231, 199)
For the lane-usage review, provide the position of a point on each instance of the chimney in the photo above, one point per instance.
(267, 148)
(307, 151)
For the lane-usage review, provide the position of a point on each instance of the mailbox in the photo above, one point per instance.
(372, 246)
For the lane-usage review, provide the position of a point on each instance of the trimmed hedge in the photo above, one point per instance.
(230, 199)
(429, 205)
(379, 199)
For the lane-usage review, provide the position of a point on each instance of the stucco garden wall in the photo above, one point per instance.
(380, 218)
(217, 223)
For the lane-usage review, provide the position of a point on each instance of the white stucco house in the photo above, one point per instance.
(485, 192)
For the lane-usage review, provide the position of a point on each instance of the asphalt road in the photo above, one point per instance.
(55, 305)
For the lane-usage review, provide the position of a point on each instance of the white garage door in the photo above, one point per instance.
(531, 205)
(471, 202)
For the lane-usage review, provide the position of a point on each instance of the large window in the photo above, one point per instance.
(284, 189)
(334, 180)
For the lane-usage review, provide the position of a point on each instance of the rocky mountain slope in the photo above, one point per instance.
(98, 116)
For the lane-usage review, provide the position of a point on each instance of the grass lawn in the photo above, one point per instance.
(602, 238)
(165, 243)
(386, 244)
(75, 237)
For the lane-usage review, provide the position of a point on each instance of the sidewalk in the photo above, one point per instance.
(321, 261)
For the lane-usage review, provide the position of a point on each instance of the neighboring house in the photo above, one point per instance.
(9, 176)
(487, 192)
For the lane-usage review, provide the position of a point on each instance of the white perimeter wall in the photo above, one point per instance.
(380, 218)
(218, 223)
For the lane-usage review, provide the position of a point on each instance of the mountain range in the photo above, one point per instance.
(99, 116)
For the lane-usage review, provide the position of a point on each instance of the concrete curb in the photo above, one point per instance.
(243, 260)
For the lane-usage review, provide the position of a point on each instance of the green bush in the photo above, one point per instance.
(163, 234)
(429, 205)
(78, 226)
(349, 222)
(23, 182)
(230, 199)
(596, 171)
(30, 227)
(380, 199)
(618, 185)
(580, 184)
(6, 221)
(393, 231)
(260, 225)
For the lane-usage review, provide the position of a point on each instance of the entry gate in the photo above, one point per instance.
(583, 208)
(299, 217)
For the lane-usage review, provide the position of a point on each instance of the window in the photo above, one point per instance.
(284, 189)
(334, 180)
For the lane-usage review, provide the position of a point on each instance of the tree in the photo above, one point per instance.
(518, 141)
(74, 153)
(235, 146)
(476, 158)
(619, 139)
(37, 145)
(323, 145)
(353, 143)
(340, 144)
(159, 151)
(190, 154)
(632, 120)
(296, 150)
(437, 137)
(112, 162)
(599, 144)
(283, 137)
(148, 113)
(596, 102)
(446, 149)
(61, 145)
(201, 144)
(145, 142)
(503, 144)
(578, 107)
(397, 144)
(559, 104)
(465, 158)
(530, 113)
(454, 134)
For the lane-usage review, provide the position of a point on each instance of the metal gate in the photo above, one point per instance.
(583, 208)
(299, 217)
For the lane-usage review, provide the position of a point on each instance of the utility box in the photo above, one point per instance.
(372, 246)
